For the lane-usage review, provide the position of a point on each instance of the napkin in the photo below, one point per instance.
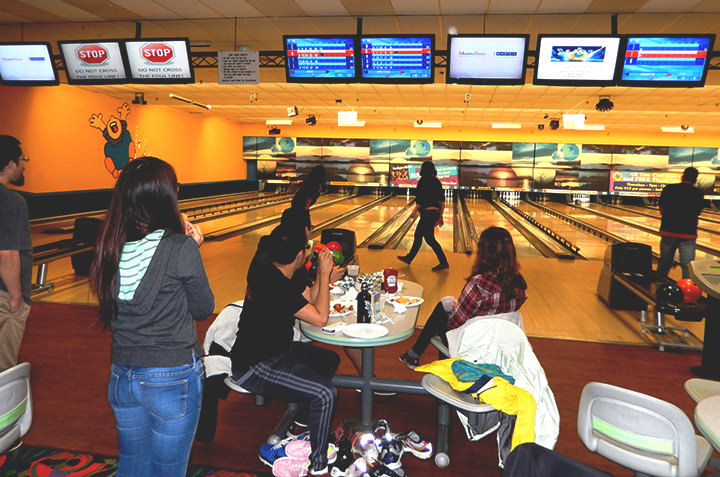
(398, 307)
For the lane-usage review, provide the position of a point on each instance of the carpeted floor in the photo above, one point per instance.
(34, 461)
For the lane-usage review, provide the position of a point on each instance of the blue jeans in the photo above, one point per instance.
(156, 411)
(686, 251)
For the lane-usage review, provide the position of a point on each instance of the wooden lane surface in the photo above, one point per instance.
(562, 299)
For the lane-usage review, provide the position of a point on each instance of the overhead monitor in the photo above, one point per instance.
(665, 60)
(319, 59)
(27, 64)
(94, 61)
(397, 59)
(576, 60)
(160, 61)
(487, 59)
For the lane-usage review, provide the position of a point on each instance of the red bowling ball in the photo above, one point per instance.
(334, 246)
(320, 246)
(691, 292)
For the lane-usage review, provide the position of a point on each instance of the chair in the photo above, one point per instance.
(15, 405)
(497, 340)
(640, 432)
(699, 389)
(217, 344)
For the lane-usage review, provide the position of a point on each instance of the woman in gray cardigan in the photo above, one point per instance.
(150, 282)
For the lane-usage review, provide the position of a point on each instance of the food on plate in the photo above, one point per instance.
(405, 300)
(340, 309)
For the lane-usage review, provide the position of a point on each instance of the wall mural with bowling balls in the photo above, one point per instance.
(486, 164)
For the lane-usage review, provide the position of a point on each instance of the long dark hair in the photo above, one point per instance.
(496, 254)
(427, 169)
(144, 200)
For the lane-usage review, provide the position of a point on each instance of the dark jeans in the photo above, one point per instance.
(686, 249)
(436, 325)
(426, 230)
(303, 375)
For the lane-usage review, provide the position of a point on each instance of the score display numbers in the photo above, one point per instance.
(397, 58)
(665, 59)
(320, 58)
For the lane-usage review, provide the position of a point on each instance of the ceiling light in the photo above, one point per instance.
(678, 129)
(573, 121)
(604, 104)
(355, 124)
(592, 127)
(427, 124)
(311, 120)
(506, 125)
(278, 122)
(292, 111)
(189, 101)
(349, 118)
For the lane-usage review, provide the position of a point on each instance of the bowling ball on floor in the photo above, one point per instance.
(669, 293)
(339, 258)
(334, 246)
(691, 292)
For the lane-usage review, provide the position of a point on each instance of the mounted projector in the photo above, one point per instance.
(554, 124)
(311, 120)
(604, 104)
(292, 111)
(274, 131)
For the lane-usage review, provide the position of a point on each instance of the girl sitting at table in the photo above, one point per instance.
(494, 286)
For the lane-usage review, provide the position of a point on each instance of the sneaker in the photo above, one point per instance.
(440, 266)
(411, 362)
(323, 471)
(290, 467)
(416, 444)
(381, 430)
(391, 453)
(301, 449)
(269, 453)
(404, 258)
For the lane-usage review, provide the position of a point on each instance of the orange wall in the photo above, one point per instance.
(67, 154)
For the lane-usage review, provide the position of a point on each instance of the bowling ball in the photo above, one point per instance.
(691, 292)
(334, 245)
(669, 293)
(338, 257)
(286, 145)
(320, 246)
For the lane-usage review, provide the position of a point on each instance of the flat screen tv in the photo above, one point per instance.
(665, 60)
(320, 59)
(487, 59)
(27, 64)
(576, 60)
(94, 61)
(406, 59)
(159, 61)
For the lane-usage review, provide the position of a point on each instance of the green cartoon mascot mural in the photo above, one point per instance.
(119, 146)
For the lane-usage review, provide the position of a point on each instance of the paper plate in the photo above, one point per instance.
(413, 300)
(334, 314)
(364, 330)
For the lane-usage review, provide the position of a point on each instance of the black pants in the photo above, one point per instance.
(426, 230)
(436, 325)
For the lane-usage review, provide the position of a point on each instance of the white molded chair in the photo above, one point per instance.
(699, 389)
(650, 436)
(15, 405)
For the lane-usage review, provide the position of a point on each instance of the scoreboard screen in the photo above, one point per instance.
(319, 59)
(665, 60)
(397, 59)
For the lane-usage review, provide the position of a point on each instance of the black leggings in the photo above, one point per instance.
(426, 230)
(436, 325)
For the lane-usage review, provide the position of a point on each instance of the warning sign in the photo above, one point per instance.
(238, 67)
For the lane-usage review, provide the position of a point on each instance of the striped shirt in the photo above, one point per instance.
(134, 262)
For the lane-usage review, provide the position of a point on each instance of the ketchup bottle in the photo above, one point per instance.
(390, 284)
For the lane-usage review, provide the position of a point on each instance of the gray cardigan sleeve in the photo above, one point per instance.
(201, 300)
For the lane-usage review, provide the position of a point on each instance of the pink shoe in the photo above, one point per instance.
(290, 467)
(302, 449)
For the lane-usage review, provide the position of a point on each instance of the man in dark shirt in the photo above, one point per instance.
(266, 360)
(680, 205)
(15, 252)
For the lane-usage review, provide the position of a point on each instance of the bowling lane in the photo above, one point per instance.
(705, 237)
(591, 247)
(705, 221)
(368, 222)
(484, 215)
(444, 234)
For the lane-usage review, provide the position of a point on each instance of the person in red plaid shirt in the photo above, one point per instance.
(494, 286)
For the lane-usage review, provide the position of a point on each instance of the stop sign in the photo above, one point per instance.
(92, 54)
(157, 52)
